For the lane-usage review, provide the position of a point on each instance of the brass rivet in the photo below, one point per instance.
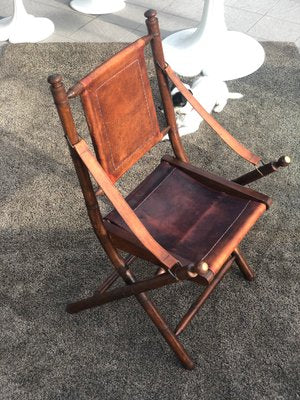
(203, 266)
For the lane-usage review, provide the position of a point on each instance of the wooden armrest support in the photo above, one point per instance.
(235, 145)
(123, 208)
(216, 182)
(262, 171)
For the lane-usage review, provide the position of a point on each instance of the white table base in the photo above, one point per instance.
(212, 49)
(23, 27)
(97, 6)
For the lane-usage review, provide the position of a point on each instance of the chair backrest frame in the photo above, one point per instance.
(119, 142)
(61, 99)
(120, 111)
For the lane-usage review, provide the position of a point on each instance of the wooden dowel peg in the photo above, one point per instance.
(263, 171)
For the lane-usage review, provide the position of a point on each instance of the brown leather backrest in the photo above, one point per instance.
(119, 108)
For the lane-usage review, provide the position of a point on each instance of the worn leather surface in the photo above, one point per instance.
(135, 225)
(189, 219)
(120, 111)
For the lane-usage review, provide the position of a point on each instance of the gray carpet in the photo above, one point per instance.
(245, 341)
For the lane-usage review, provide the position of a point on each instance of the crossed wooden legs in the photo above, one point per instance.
(195, 307)
(102, 296)
(145, 302)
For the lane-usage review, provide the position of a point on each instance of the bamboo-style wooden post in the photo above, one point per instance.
(243, 265)
(263, 171)
(158, 281)
(63, 107)
(158, 55)
(195, 307)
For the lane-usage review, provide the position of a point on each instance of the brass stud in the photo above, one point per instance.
(200, 269)
(203, 267)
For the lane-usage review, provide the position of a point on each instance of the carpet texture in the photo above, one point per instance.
(245, 340)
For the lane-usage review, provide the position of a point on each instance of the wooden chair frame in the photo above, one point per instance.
(111, 238)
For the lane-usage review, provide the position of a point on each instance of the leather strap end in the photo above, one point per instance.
(211, 121)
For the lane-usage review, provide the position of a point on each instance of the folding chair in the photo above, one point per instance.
(184, 220)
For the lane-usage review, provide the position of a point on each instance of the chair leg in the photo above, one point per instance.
(134, 288)
(195, 307)
(150, 309)
(243, 265)
(106, 284)
(166, 332)
(102, 296)
(158, 321)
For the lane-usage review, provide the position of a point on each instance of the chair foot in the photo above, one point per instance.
(154, 315)
(73, 308)
(81, 305)
(243, 265)
(105, 297)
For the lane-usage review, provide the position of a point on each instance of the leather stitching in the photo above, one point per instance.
(224, 233)
(101, 114)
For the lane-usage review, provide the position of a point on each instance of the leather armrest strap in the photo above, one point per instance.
(218, 128)
(122, 206)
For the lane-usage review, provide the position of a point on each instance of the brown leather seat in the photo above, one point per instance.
(188, 218)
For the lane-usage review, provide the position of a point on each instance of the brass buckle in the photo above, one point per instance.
(163, 69)
(259, 171)
(257, 168)
(173, 274)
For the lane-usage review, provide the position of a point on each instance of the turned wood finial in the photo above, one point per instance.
(55, 80)
(283, 161)
(62, 104)
(75, 90)
(149, 14)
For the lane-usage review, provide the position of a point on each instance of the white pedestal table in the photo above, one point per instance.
(212, 49)
(97, 6)
(23, 27)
